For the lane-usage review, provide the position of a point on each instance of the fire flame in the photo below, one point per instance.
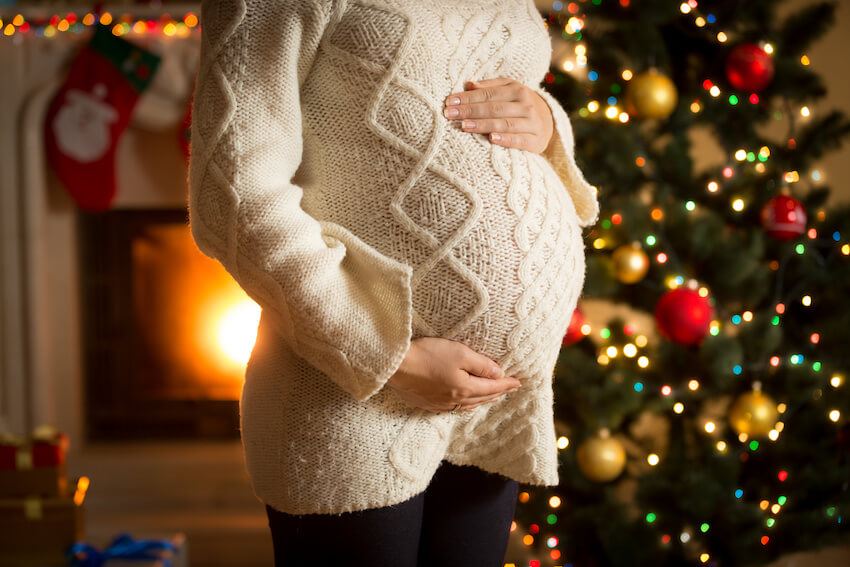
(237, 330)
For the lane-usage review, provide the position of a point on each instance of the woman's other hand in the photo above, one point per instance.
(511, 113)
(438, 374)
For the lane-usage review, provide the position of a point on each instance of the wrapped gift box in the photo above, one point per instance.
(33, 466)
(125, 551)
(39, 531)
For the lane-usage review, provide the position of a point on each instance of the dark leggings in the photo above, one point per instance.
(462, 518)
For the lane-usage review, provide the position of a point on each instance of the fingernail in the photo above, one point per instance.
(453, 100)
(451, 112)
(468, 124)
(496, 372)
(496, 137)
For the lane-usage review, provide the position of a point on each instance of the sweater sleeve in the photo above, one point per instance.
(560, 154)
(341, 305)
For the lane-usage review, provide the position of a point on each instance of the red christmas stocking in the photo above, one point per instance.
(185, 131)
(91, 111)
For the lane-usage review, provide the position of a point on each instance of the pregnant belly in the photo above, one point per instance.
(500, 258)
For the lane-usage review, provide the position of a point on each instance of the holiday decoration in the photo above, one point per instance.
(89, 113)
(753, 414)
(630, 263)
(683, 316)
(39, 516)
(651, 95)
(574, 333)
(783, 217)
(698, 490)
(125, 551)
(34, 465)
(185, 131)
(601, 458)
(749, 68)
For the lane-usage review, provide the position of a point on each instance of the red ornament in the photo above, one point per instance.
(683, 316)
(749, 68)
(574, 333)
(783, 217)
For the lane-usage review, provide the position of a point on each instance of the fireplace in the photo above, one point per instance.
(166, 331)
(82, 326)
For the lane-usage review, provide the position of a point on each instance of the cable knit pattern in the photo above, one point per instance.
(324, 177)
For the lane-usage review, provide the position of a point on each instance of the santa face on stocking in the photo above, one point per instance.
(90, 112)
(82, 125)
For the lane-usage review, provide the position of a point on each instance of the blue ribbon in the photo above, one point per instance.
(122, 547)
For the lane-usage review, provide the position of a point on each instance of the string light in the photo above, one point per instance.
(124, 24)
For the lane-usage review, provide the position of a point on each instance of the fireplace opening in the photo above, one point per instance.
(166, 330)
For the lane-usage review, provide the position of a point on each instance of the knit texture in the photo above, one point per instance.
(325, 179)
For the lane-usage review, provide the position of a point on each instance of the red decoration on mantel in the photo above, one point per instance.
(749, 68)
(684, 316)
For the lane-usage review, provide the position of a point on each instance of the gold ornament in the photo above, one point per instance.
(651, 95)
(630, 263)
(601, 458)
(753, 413)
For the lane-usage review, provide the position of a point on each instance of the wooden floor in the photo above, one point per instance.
(243, 540)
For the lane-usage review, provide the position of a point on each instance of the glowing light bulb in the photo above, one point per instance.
(834, 415)
(679, 407)
(710, 427)
(563, 442)
(738, 205)
(652, 459)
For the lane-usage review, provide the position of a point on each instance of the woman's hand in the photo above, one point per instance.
(438, 374)
(512, 114)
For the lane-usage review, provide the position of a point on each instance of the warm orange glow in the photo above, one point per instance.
(197, 319)
(80, 493)
(237, 330)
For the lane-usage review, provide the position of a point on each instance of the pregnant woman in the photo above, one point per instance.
(387, 179)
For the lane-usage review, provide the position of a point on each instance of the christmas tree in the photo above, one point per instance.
(718, 433)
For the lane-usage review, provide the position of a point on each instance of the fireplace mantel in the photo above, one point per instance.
(200, 488)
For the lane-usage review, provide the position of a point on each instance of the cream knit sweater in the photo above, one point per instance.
(325, 179)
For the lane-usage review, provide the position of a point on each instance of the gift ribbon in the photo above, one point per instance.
(122, 547)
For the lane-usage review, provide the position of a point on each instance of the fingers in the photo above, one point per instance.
(510, 113)
(495, 109)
